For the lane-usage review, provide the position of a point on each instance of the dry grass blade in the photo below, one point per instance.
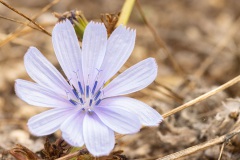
(201, 146)
(221, 151)
(17, 32)
(13, 20)
(203, 97)
(159, 41)
(16, 40)
(23, 15)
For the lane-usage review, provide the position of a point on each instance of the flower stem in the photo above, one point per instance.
(126, 12)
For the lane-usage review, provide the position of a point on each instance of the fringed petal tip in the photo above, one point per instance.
(158, 121)
(127, 31)
(31, 50)
(127, 28)
(63, 23)
(95, 24)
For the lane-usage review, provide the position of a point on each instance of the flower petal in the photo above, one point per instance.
(49, 121)
(93, 48)
(133, 79)
(146, 114)
(98, 138)
(120, 46)
(68, 51)
(43, 72)
(37, 95)
(117, 119)
(72, 129)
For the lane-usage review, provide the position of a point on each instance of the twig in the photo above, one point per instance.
(125, 12)
(221, 151)
(201, 146)
(16, 40)
(17, 32)
(13, 20)
(159, 41)
(23, 15)
(203, 97)
(220, 46)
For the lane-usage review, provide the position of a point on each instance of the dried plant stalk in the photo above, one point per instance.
(23, 15)
(221, 151)
(16, 33)
(201, 146)
(13, 20)
(203, 97)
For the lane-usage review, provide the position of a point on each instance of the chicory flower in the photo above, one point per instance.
(86, 109)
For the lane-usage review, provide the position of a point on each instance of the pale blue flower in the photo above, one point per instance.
(85, 109)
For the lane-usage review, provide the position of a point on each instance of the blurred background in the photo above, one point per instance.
(196, 45)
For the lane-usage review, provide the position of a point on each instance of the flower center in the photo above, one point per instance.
(86, 97)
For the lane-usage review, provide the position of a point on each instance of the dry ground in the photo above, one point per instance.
(193, 31)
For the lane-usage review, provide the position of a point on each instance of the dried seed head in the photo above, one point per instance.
(55, 150)
(110, 21)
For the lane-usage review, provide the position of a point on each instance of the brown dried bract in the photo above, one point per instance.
(22, 153)
(110, 21)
